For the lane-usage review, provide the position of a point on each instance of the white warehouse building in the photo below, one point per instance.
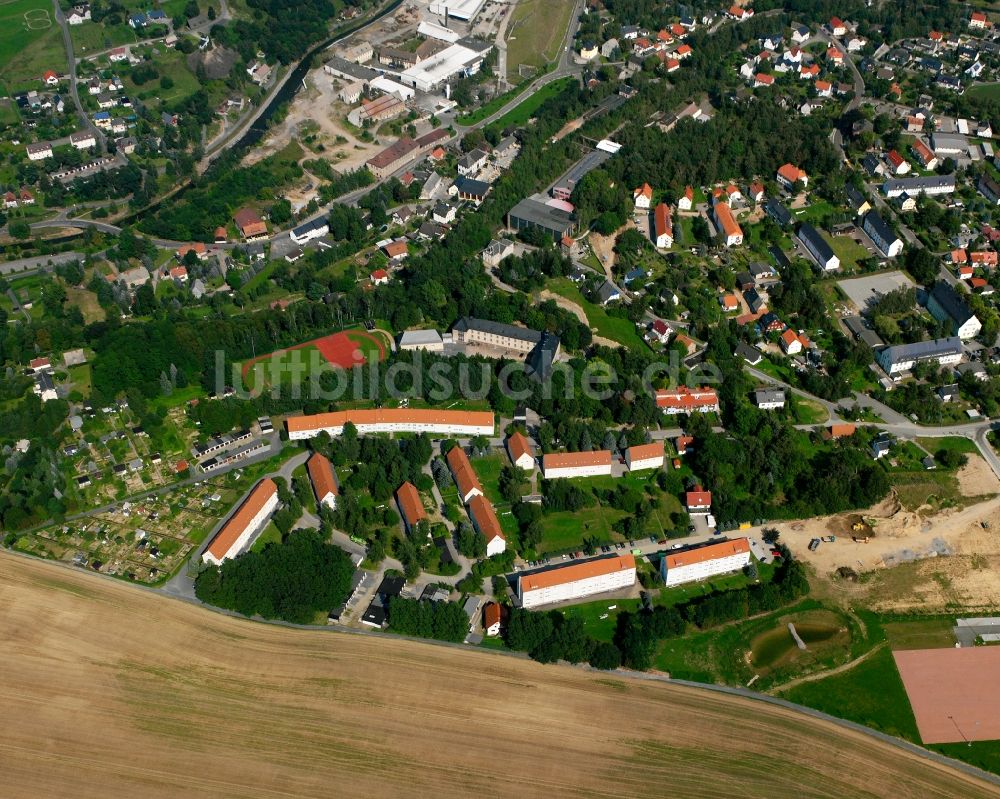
(458, 60)
(584, 578)
(705, 561)
(236, 534)
(392, 420)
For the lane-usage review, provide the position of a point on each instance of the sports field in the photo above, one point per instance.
(113, 691)
(30, 43)
(345, 350)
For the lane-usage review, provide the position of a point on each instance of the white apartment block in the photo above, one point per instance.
(576, 464)
(706, 561)
(250, 517)
(584, 578)
(393, 420)
(645, 456)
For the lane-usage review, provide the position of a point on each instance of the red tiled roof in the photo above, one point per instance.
(427, 416)
(518, 445)
(791, 173)
(462, 471)
(717, 551)
(581, 570)
(840, 430)
(724, 214)
(321, 473)
(661, 220)
(409, 503)
(481, 511)
(491, 614)
(566, 460)
(698, 498)
(684, 397)
(642, 452)
(234, 528)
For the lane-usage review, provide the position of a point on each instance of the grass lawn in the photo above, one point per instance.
(846, 249)
(92, 37)
(525, 110)
(80, 375)
(491, 107)
(488, 471)
(813, 212)
(269, 535)
(984, 91)
(961, 444)
(809, 411)
(936, 488)
(171, 63)
(566, 530)
(590, 614)
(87, 302)
(282, 365)
(920, 633)
(30, 43)
(536, 33)
(613, 327)
(871, 693)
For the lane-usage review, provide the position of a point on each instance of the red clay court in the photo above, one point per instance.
(954, 693)
(345, 349)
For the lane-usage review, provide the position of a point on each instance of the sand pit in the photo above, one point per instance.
(113, 691)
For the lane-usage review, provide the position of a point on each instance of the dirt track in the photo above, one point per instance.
(111, 691)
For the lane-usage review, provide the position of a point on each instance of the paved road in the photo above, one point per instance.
(74, 92)
(39, 262)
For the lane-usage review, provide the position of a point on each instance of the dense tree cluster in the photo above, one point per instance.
(443, 621)
(293, 580)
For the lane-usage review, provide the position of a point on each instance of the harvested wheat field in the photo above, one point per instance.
(112, 691)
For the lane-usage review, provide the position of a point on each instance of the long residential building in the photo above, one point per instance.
(729, 229)
(818, 247)
(576, 464)
(580, 579)
(324, 480)
(484, 519)
(411, 509)
(889, 244)
(931, 185)
(397, 155)
(393, 420)
(645, 456)
(464, 475)
(236, 534)
(901, 358)
(540, 347)
(673, 401)
(945, 304)
(705, 561)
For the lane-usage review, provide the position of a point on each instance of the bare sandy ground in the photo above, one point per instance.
(917, 560)
(318, 105)
(113, 691)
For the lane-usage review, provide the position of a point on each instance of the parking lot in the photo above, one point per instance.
(863, 290)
